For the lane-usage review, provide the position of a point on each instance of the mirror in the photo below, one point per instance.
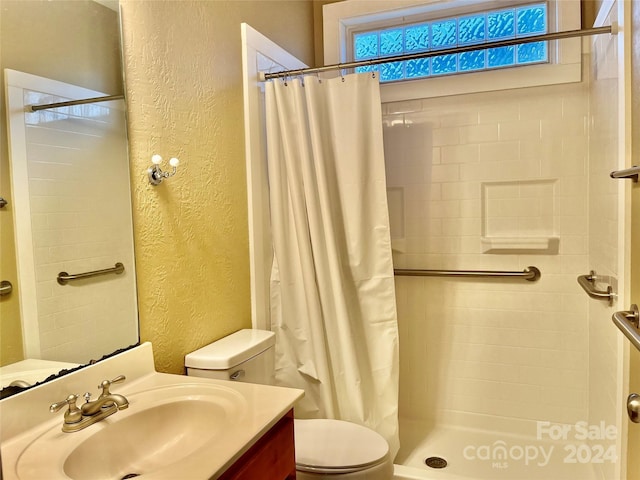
(50, 177)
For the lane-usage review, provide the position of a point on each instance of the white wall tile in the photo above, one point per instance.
(459, 154)
(404, 107)
(499, 151)
(446, 136)
(603, 231)
(69, 152)
(479, 133)
(503, 110)
(445, 173)
(529, 129)
(518, 349)
(462, 118)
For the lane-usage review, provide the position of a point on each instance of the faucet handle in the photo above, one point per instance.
(70, 400)
(73, 414)
(107, 383)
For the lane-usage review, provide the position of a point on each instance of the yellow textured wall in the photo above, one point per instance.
(184, 94)
(74, 41)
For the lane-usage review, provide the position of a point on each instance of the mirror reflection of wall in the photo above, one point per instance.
(72, 41)
(74, 232)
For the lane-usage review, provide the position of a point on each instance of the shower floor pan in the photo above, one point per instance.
(489, 455)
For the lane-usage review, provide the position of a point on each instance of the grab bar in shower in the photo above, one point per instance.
(588, 284)
(64, 277)
(632, 173)
(627, 321)
(530, 273)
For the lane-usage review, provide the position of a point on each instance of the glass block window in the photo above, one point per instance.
(468, 29)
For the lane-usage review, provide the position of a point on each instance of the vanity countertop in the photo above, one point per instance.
(240, 413)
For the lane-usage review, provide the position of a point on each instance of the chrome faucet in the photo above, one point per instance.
(91, 412)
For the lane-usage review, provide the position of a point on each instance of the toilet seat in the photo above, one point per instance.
(337, 447)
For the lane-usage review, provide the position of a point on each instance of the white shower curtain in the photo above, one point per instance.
(332, 289)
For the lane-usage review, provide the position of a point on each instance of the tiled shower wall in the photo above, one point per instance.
(509, 166)
(604, 338)
(81, 221)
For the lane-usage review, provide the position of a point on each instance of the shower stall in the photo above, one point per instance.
(499, 378)
(502, 378)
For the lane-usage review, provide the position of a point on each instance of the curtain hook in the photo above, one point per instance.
(373, 72)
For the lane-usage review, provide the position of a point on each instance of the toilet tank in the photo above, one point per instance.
(244, 356)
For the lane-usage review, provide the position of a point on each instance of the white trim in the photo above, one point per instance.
(604, 12)
(340, 16)
(21, 218)
(254, 46)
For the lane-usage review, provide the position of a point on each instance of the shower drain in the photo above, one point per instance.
(436, 462)
(130, 475)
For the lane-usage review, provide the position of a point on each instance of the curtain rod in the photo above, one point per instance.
(35, 108)
(612, 29)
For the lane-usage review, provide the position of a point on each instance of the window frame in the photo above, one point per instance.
(565, 56)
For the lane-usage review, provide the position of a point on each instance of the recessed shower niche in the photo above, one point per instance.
(408, 158)
(519, 216)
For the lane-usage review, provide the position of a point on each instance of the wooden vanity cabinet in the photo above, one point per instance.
(272, 457)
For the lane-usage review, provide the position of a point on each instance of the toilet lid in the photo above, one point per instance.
(336, 445)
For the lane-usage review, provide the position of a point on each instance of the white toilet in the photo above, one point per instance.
(325, 449)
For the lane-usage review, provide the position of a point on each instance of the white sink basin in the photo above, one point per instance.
(160, 428)
(152, 438)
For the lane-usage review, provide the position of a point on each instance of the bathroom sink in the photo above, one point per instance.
(161, 428)
(175, 426)
(146, 441)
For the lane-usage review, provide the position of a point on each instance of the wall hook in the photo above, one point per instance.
(156, 174)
